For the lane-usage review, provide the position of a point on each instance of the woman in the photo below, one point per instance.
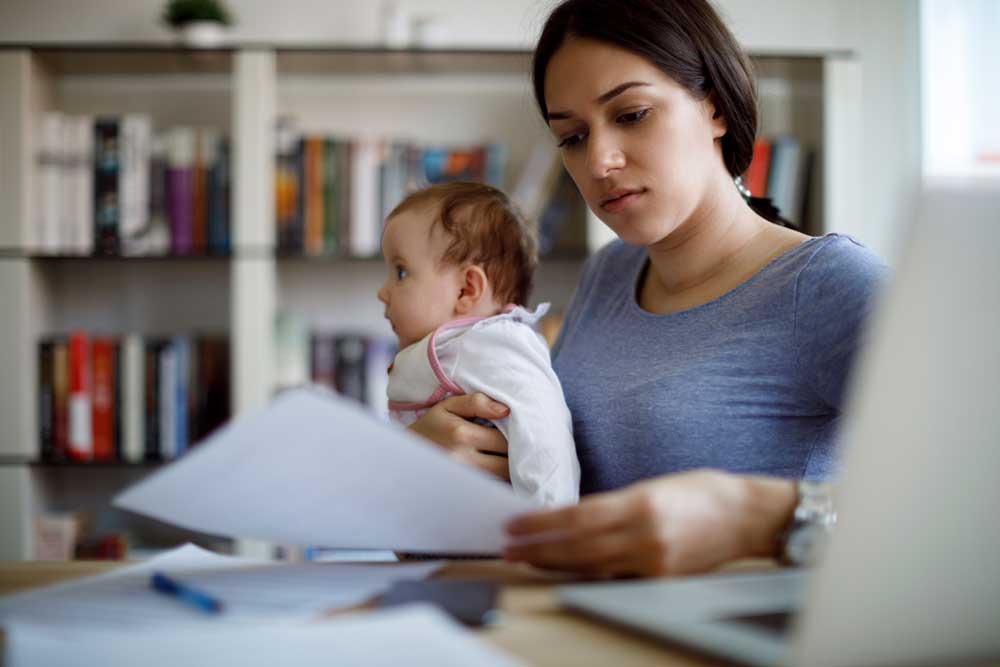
(704, 359)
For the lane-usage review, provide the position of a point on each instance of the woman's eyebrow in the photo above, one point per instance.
(601, 99)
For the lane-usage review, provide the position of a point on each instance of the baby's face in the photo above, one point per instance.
(418, 293)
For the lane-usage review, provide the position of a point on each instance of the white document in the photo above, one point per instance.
(413, 635)
(312, 468)
(250, 590)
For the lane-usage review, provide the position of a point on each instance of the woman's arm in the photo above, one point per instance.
(447, 425)
(676, 524)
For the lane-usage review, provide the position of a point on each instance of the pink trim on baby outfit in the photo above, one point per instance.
(447, 386)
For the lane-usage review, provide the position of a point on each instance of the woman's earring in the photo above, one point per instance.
(742, 188)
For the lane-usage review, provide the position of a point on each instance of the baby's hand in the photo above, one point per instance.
(448, 425)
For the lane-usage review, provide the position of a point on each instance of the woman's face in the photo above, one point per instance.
(643, 152)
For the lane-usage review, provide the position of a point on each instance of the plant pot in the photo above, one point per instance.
(202, 34)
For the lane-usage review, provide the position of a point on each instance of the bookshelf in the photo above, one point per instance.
(446, 96)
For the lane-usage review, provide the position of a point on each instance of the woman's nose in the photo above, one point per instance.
(604, 155)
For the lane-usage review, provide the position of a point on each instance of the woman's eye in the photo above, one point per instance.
(401, 273)
(633, 117)
(570, 141)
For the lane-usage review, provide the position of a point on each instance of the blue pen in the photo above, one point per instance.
(199, 599)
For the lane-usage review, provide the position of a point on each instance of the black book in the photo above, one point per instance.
(107, 175)
(46, 400)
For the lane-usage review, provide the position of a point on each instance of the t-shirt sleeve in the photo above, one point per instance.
(834, 295)
(509, 362)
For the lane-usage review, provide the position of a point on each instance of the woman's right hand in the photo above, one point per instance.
(447, 425)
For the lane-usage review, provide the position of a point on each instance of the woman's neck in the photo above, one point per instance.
(707, 246)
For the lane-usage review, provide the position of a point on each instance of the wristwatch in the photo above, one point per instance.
(804, 539)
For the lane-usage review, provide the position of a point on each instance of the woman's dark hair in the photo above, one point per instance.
(687, 40)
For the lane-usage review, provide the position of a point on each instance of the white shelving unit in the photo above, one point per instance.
(458, 97)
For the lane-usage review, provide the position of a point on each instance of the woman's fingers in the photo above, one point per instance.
(475, 405)
(598, 512)
(588, 553)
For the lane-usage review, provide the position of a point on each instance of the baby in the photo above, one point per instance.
(460, 266)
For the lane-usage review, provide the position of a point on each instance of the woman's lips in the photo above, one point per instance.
(622, 202)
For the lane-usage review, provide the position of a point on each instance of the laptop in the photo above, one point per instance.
(912, 573)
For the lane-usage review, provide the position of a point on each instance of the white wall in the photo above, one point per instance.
(883, 34)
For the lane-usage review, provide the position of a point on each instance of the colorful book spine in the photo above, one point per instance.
(329, 197)
(180, 193)
(314, 196)
(103, 398)
(107, 186)
(756, 177)
(60, 397)
(80, 429)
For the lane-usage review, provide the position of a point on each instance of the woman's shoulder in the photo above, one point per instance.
(833, 255)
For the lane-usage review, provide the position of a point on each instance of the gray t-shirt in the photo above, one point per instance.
(751, 382)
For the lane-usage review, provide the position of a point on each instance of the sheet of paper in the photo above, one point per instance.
(312, 468)
(250, 589)
(413, 635)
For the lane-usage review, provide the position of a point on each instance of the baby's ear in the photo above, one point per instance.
(474, 287)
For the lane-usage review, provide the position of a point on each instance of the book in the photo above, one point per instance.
(180, 193)
(350, 366)
(755, 178)
(152, 450)
(103, 398)
(135, 138)
(167, 393)
(80, 429)
(366, 226)
(133, 403)
(323, 360)
(46, 400)
(181, 346)
(314, 216)
(786, 180)
(219, 186)
(82, 172)
(60, 398)
(107, 186)
(50, 196)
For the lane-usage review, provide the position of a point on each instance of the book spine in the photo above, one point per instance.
(216, 205)
(760, 164)
(180, 198)
(107, 186)
(364, 199)
(117, 406)
(136, 142)
(224, 245)
(314, 200)
(296, 233)
(350, 366)
(168, 399)
(48, 173)
(182, 353)
(151, 379)
(329, 197)
(83, 235)
(323, 356)
(80, 428)
(60, 398)
(199, 193)
(134, 400)
(46, 400)
(102, 419)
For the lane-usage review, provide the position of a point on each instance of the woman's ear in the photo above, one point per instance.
(474, 287)
(715, 117)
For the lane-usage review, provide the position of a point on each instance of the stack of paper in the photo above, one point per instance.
(315, 469)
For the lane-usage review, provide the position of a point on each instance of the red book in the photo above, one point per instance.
(104, 358)
(756, 177)
(80, 433)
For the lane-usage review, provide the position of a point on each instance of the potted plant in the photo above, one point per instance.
(199, 23)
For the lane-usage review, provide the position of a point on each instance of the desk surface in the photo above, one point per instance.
(532, 626)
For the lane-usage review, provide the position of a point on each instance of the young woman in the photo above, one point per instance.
(704, 355)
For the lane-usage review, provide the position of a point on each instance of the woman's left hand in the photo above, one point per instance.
(676, 524)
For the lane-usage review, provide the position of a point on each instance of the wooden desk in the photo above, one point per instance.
(532, 625)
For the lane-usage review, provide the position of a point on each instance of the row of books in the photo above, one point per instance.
(129, 398)
(353, 364)
(780, 170)
(110, 185)
(332, 194)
